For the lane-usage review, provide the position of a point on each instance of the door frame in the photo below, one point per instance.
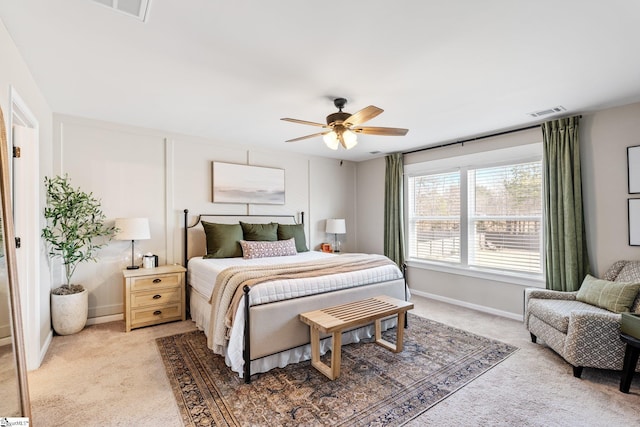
(29, 232)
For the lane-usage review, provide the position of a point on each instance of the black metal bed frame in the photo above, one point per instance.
(246, 353)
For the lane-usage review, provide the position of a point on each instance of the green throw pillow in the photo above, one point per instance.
(613, 296)
(223, 240)
(260, 232)
(287, 231)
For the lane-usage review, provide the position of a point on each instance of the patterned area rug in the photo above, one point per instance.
(375, 387)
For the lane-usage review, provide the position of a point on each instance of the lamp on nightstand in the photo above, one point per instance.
(132, 229)
(335, 227)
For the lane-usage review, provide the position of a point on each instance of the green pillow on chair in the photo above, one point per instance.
(613, 296)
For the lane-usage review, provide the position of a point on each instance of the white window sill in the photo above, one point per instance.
(512, 278)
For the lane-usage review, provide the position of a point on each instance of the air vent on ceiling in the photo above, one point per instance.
(374, 152)
(553, 110)
(137, 8)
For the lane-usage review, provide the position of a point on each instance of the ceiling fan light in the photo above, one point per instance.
(331, 139)
(350, 139)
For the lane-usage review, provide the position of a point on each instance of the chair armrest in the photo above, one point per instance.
(543, 294)
(593, 339)
(547, 294)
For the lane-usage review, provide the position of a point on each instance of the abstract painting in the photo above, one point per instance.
(233, 183)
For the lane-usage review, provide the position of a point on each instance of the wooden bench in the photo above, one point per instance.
(334, 320)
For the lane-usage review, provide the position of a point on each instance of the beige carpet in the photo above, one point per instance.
(375, 387)
(106, 377)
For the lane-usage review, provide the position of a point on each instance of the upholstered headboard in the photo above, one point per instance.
(194, 238)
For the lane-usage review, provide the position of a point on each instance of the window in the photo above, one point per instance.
(436, 217)
(486, 217)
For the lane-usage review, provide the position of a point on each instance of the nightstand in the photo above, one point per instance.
(153, 296)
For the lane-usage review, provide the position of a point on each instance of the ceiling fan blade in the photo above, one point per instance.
(364, 115)
(369, 130)
(304, 122)
(313, 135)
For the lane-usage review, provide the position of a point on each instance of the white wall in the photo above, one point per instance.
(370, 206)
(35, 295)
(604, 138)
(332, 186)
(155, 174)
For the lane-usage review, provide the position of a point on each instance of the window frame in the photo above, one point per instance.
(500, 157)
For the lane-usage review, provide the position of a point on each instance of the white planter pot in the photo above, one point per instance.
(69, 312)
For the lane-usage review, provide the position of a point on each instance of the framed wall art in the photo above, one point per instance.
(633, 168)
(634, 222)
(233, 183)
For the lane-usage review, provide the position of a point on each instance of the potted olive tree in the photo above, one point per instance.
(75, 231)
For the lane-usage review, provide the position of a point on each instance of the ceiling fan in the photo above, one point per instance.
(342, 127)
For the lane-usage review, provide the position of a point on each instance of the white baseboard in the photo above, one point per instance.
(465, 304)
(105, 319)
(45, 347)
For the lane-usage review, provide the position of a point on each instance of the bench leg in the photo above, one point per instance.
(332, 372)
(397, 347)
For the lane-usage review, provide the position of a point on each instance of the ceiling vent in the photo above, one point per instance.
(137, 8)
(373, 153)
(548, 112)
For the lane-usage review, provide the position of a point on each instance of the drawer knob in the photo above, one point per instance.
(157, 312)
(157, 280)
(157, 296)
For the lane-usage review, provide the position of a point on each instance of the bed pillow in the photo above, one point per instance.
(612, 296)
(261, 232)
(264, 249)
(287, 231)
(223, 240)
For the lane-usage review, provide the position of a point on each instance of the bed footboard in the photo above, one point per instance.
(275, 327)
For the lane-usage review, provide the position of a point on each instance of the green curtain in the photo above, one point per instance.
(393, 212)
(566, 257)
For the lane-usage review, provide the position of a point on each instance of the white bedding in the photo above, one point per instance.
(203, 272)
(202, 276)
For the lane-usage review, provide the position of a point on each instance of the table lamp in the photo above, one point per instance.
(335, 227)
(132, 229)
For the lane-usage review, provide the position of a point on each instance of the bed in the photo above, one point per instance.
(264, 331)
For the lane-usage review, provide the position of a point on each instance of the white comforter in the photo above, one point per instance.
(203, 272)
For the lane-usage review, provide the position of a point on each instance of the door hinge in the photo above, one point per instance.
(16, 152)
(18, 242)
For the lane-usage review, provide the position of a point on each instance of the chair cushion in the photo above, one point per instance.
(614, 270)
(556, 312)
(615, 296)
(629, 273)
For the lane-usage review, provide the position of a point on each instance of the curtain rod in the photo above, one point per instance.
(446, 144)
(431, 147)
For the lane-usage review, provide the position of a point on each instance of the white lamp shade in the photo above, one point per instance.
(336, 226)
(350, 139)
(331, 139)
(132, 229)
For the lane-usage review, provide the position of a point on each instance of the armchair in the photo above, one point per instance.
(584, 334)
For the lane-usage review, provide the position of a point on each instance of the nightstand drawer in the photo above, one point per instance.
(144, 283)
(153, 315)
(161, 296)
